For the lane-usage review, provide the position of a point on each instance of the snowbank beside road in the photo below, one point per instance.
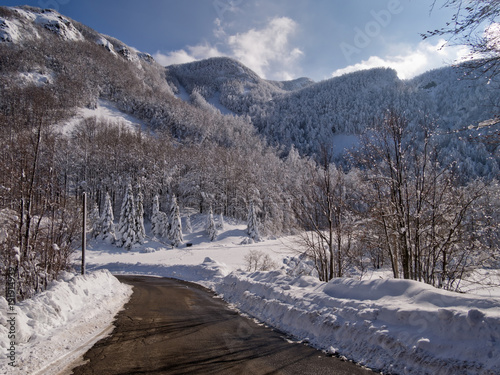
(395, 326)
(55, 323)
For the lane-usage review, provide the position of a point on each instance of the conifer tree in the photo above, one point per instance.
(127, 235)
(163, 224)
(95, 221)
(167, 223)
(252, 229)
(107, 221)
(175, 223)
(139, 219)
(210, 228)
(155, 217)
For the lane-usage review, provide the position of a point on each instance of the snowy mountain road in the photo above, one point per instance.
(176, 327)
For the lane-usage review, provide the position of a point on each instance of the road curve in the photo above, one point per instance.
(175, 327)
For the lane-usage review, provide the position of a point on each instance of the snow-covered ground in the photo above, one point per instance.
(394, 326)
(105, 111)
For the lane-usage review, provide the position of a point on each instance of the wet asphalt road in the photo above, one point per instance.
(175, 327)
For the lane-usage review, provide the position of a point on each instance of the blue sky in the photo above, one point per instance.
(278, 39)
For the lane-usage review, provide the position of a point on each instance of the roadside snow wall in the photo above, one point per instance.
(395, 326)
(60, 320)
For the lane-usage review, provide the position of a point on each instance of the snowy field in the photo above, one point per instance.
(394, 326)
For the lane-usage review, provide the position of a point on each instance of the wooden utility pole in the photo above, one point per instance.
(84, 231)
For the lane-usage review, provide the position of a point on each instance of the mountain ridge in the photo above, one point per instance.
(313, 114)
(300, 113)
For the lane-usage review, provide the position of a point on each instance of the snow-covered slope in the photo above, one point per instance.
(14, 30)
(19, 24)
(231, 84)
(293, 85)
(9, 31)
(24, 25)
(105, 111)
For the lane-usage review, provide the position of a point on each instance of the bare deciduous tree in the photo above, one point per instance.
(419, 211)
(474, 24)
(321, 207)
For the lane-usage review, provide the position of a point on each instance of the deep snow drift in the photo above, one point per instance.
(394, 326)
(57, 326)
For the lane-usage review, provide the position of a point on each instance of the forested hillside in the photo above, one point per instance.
(218, 138)
(317, 114)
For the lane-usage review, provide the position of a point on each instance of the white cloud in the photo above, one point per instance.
(412, 61)
(266, 51)
(193, 53)
(174, 57)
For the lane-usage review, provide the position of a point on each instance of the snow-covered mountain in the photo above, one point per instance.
(21, 24)
(227, 84)
(301, 112)
(42, 47)
(22, 27)
(307, 114)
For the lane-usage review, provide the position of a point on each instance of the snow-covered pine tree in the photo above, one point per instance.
(127, 235)
(175, 223)
(252, 229)
(167, 224)
(139, 219)
(95, 221)
(108, 221)
(155, 217)
(210, 228)
(220, 222)
(189, 227)
(162, 224)
(171, 215)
